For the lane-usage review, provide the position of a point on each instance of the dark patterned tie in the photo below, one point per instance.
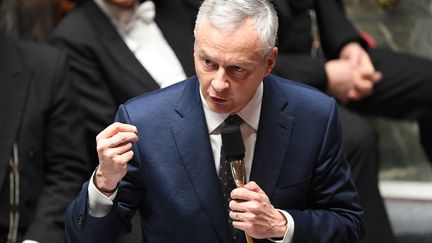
(225, 176)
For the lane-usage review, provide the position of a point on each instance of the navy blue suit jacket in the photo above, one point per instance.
(298, 162)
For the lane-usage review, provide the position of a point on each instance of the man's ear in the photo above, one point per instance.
(271, 60)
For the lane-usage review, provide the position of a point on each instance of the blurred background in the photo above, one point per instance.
(401, 25)
(406, 175)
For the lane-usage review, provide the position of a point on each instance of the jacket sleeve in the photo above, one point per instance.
(335, 29)
(81, 227)
(302, 68)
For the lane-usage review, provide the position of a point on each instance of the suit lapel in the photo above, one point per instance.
(192, 140)
(120, 52)
(193, 144)
(14, 86)
(273, 137)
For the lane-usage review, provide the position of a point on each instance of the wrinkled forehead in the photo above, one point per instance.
(244, 37)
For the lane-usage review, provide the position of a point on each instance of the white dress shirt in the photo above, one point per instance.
(250, 115)
(100, 205)
(141, 34)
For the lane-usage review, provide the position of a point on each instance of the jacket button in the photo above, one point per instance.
(80, 219)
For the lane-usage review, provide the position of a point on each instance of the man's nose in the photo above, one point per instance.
(220, 81)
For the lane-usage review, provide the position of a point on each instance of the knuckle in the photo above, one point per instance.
(128, 146)
(116, 126)
(253, 218)
(254, 208)
(124, 137)
(108, 154)
(100, 147)
(117, 160)
(129, 155)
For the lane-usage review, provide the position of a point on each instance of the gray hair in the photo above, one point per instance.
(230, 14)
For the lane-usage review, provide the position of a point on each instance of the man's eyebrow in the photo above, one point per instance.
(202, 53)
(238, 63)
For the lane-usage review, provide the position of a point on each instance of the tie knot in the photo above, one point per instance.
(233, 120)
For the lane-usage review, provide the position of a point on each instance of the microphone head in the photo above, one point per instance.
(232, 142)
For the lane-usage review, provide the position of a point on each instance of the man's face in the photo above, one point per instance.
(229, 65)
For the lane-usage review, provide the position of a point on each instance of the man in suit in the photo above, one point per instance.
(42, 160)
(110, 46)
(166, 163)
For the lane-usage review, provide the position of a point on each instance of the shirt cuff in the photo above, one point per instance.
(289, 233)
(99, 204)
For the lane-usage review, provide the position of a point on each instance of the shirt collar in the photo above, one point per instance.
(250, 113)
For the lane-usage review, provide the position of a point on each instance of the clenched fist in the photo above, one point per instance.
(114, 148)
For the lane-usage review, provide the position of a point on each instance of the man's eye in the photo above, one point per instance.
(207, 62)
(237, 69)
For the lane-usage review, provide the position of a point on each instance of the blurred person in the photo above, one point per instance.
(61, 8)
(120, 49)
(166, 163)
(369, 81)
(366, 82)
(42, 159)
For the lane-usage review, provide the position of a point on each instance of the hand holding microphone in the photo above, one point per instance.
(251, 209)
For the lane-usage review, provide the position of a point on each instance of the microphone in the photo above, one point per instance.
(234, 152)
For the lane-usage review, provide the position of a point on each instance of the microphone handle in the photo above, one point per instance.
(238, 174)
(248, 238)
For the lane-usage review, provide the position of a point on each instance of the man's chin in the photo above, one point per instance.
(222, 108)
